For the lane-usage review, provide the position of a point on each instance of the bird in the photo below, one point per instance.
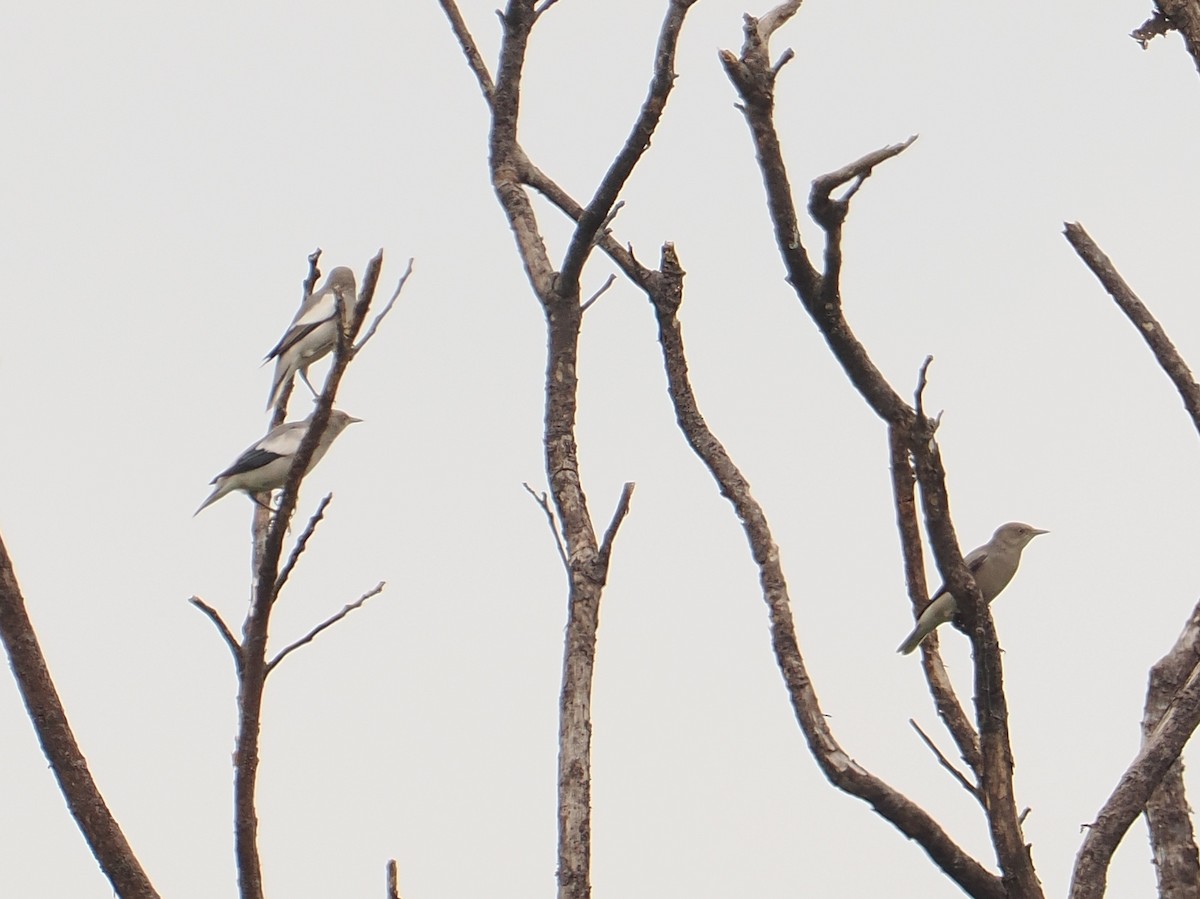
(992, 565)
(313, 333)
(265, 465)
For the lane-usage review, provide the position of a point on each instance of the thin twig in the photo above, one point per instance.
(543, 6)
(386, 309)
(922, 381)
(544, 501)
(860, 168)
(605, 230)
(324, 625)
(222, 628)
(596, 295)
(618, 516)
(302, 542)
(945, 762)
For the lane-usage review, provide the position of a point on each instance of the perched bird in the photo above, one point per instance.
(265, 465)
(313, 333)
(992, 565)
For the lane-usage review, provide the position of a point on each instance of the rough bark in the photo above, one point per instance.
(558, 292)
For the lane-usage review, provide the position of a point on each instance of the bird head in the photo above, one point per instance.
(338, 421)
(1016, 534)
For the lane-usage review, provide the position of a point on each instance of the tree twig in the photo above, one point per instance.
(945, 762)
(214, 616)
(386, 309)
(618, 516)
(592, 299)
(302, 543)
(544, 501)
(324, 625)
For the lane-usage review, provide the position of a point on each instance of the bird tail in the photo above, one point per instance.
(283, 374)
(912, 641)
(220, 491)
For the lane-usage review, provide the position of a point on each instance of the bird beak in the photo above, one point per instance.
(1036, 531)
(350, 419)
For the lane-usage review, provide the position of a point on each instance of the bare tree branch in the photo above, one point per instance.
(592, 299)
(222, 628)
(269, 531)
(386, 309)
(470, 50)
(945, 762)
(772, 21)
(618, 516)
(559, 295)
(945, 701)
(1172, 837)
(544, 501)
(393, 880)
(1154, 780)
(635, 145)
(1159, 752)
(324, 625)
(1127, 301)
(49, 719)
(820, 294)
(907, 817)
(664, 288)
(830, 213)
(302, 543)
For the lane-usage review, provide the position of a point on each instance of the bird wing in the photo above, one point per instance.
(251, 460)
(975, 559)
(318, 309)
(282, 441)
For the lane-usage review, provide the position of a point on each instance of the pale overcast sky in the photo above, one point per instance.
(168, 168)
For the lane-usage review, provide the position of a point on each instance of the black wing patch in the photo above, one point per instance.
(251, 460)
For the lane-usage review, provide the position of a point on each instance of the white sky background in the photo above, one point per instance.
(167, 169)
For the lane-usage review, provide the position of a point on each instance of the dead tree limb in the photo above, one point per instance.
(1154, 780)
(49, 719)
